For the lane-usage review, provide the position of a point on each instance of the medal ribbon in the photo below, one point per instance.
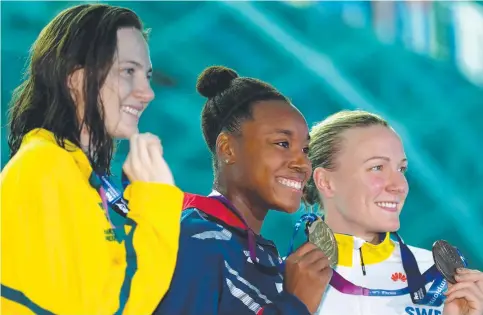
(251, 235)
(110, 195)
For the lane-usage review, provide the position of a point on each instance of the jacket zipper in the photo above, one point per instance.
(362, 262)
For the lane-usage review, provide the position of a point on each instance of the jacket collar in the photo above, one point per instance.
(40, 135)
(372, 253)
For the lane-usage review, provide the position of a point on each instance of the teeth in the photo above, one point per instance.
(387, 204)
(132, 111)
(290, 183)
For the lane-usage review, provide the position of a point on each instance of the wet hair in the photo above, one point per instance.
(230, 102)
(80, 37)
(326, 139)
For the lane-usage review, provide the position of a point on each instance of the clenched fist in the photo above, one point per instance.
(145, 160)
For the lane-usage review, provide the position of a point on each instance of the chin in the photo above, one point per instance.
(390, 226)
(125, 133)
(288, 206)
(285, 199)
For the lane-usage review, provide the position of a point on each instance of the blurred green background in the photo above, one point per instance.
(417, 63)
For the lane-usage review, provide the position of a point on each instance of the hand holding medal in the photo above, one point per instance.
(308, 270)
(465, 286)
(307, 275)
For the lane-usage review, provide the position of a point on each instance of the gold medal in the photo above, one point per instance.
(322, 236)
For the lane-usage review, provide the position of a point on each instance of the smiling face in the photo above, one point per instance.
(127, 89)
(366, 191)
(271, 163)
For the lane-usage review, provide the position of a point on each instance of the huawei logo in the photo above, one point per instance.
(398, 276)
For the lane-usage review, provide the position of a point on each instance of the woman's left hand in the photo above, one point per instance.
(466, 296)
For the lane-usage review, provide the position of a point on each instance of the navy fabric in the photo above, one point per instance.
(215, 274)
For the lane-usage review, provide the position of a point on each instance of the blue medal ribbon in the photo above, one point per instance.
(113, 195)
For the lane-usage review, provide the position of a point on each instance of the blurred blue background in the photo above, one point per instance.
(419, 64)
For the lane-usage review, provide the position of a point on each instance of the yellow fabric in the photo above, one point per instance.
(56, 245)
(372, 254)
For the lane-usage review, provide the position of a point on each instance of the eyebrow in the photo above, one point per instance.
(287, 132)
(385, 158)
(136, 64)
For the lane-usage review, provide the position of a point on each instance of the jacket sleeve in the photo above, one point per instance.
(55, 256)
(285, 304)
(197, 282)
(153, 227)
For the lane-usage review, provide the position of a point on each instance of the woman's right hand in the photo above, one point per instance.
(307, 275)
(145, 160)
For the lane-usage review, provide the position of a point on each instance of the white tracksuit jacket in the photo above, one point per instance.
(384, 270)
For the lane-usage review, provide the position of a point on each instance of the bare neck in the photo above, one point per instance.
(84, 141)
(341, 226)
(251, 213)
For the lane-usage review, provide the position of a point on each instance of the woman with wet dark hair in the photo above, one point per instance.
(87, 84)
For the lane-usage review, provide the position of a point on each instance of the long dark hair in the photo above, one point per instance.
(81, 37)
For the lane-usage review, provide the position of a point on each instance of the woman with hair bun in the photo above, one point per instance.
(259, 145)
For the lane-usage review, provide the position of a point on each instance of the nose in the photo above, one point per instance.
(301, 164)
(143, 91)
(398, 183)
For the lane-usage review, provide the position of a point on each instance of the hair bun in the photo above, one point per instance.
(214, 80)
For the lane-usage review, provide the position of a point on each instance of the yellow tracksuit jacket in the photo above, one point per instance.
(58, 251)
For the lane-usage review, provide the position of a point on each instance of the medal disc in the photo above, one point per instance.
(322, 236)
(447, 259)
